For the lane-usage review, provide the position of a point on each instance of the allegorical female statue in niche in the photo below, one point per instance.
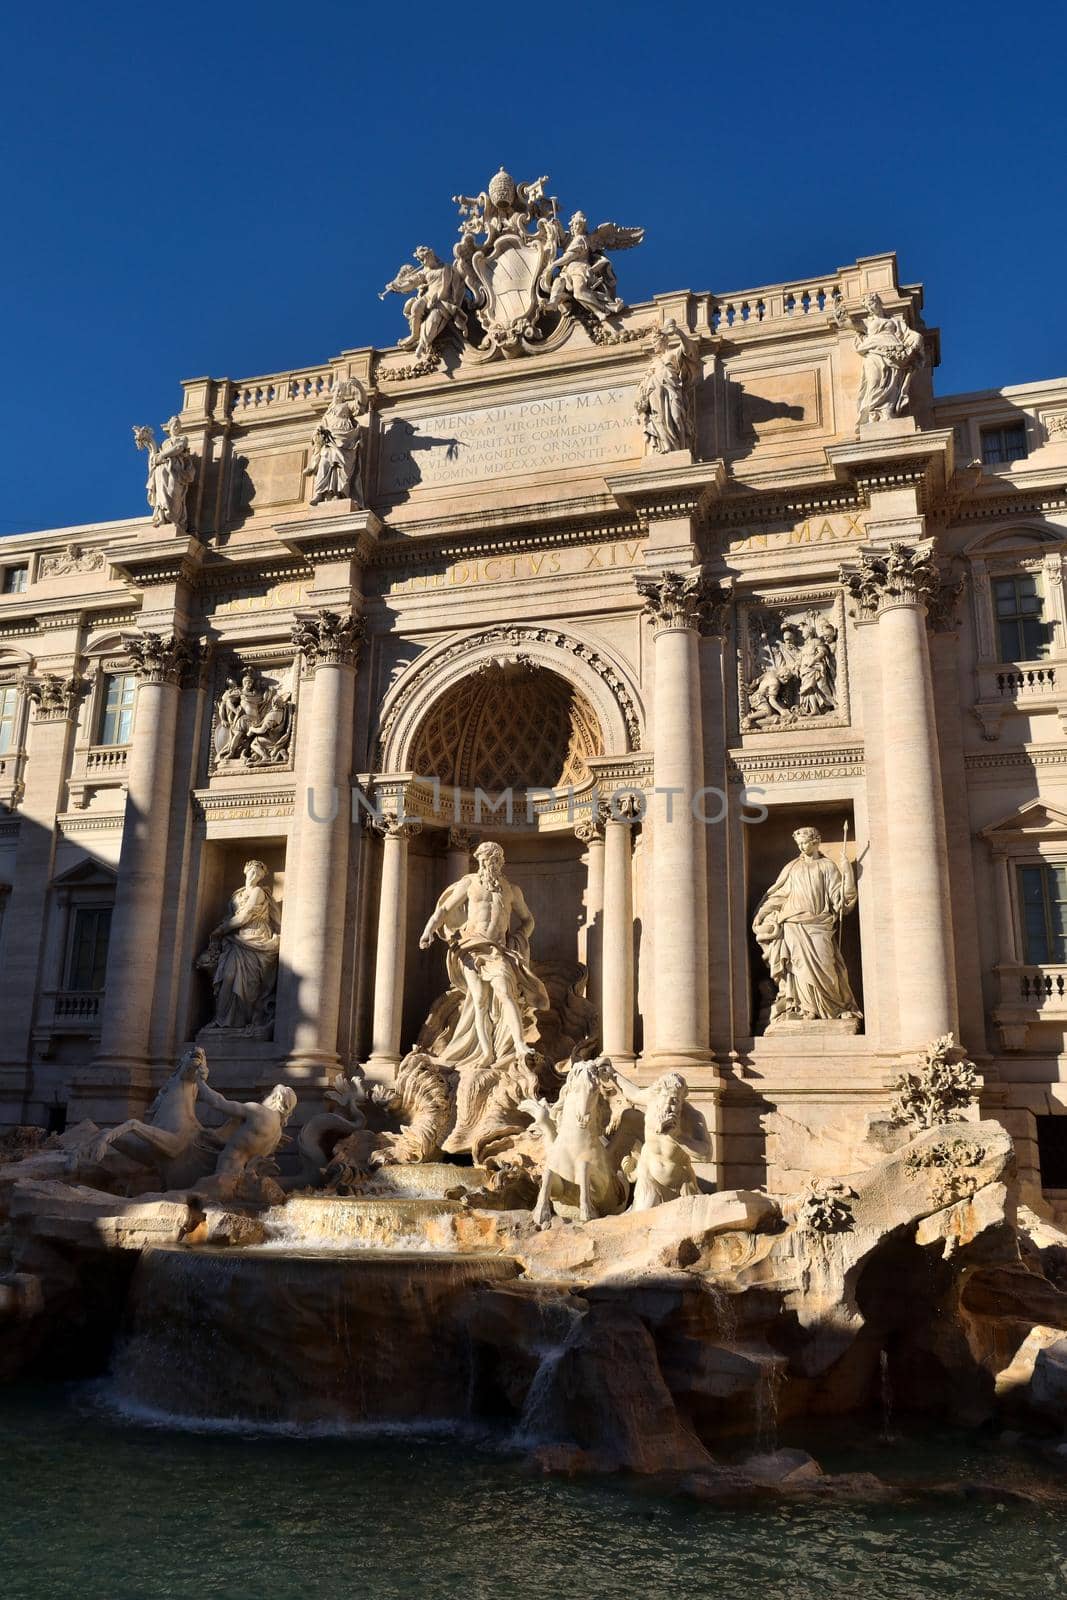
(798, 926)
(242, 956)
(337, 445)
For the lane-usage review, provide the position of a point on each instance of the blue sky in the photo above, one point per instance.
(223, 188)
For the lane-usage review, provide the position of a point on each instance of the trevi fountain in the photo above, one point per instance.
(502, 1085)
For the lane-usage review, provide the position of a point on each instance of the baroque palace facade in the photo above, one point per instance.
(637, 592)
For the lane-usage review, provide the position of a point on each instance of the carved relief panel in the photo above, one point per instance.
(253, 719)
(791, 662)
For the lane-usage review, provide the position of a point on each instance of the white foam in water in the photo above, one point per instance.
(107, 1397)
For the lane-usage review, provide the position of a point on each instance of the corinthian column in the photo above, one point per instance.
(677, 604)
(894, 585)
(312, 948)
(391, 950)
(617, 946)
(121, 1070)
(590, 833)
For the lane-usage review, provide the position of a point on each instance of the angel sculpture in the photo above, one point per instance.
(437, 290)
(171, 470)
(583, 276)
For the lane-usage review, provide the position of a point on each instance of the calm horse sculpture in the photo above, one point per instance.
(581, 1165)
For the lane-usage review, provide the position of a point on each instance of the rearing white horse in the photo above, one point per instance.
(581, 1164)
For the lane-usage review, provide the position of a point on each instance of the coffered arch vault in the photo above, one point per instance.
(595, 693)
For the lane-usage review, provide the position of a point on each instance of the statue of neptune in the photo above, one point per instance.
(491, 960)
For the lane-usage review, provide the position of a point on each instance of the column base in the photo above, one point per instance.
(381, 1068)
(112, 1090)
(698, 1067)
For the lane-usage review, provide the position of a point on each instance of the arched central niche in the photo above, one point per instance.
(508, 725)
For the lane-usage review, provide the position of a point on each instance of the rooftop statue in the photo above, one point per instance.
(891, 352)
(336, 446)
(515, 273)
(171, 470)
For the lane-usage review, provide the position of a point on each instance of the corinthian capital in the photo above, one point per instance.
(329, 638)
(683, 600)
(55, 698)
(900, 575)
(160, 658)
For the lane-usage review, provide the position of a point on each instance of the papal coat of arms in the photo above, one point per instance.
(516, 277)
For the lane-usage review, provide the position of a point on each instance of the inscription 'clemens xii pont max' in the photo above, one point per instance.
(538, 435)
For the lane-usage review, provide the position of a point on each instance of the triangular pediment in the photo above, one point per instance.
(86, 873)
(1036, 817)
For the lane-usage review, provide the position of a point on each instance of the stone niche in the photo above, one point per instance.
(221, 874)
(769, 846)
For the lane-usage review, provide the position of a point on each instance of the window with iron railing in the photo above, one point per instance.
(88, 948)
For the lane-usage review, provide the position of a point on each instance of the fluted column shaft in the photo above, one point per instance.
(895, 584)
(676, 603)
(133, 952)
(617, 945)
(391, 951)
(591, 933)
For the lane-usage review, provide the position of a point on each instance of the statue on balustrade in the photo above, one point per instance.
(798, 928)
(891, 351)
(336, 446)
(664, 404)
(171, 471)
(488, 963)
(436, 291)
(242, 956)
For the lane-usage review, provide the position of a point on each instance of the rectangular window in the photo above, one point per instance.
(88, 948)
(1052, 1151)
(116, 725)
(1022, 632)
(1043, 903)
(16, 580)
(9, 700)
(1004, 443)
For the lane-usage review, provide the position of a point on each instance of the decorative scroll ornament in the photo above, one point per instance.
(329, 638)
(72, 558)
(171, 471)
(901, 575)
(515, 274)
(158, 658)
(683, 600)
(55, 698)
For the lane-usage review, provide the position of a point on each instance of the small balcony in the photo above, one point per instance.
(66, 1013)
(1029, 995)
(1022, 688)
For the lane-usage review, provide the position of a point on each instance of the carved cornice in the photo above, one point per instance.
(795, 766)
(667, 493)
(894, 575)
(329, 638)
(329, 535)
(684, 600)
(176, 558)
(161, 658)
(55, 698)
